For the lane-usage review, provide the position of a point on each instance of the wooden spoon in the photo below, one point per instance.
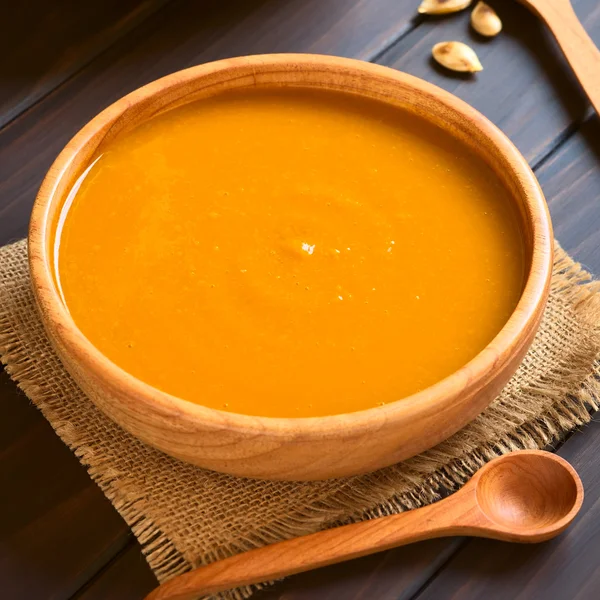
(576, 44)
(526, 496)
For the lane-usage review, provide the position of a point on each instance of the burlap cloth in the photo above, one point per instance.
(184, 516)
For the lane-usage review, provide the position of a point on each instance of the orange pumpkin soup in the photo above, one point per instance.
(289, 253)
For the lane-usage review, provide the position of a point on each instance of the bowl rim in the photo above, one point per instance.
(471, 376)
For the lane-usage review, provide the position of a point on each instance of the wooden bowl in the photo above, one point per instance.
(302, 448)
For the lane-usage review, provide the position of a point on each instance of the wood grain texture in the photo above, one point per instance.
(566, 567)
(526, 88)
(576, 44)
(55, 522)
(295, 449)
(44, 43)
(526, 91)
(571, 180)
(183, 34)
(393, 575)
(527, 496)
(126, 577)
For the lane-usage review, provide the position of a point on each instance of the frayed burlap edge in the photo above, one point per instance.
(162, 556)
(572, 391)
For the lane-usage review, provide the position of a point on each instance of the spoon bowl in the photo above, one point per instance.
(533, 494)
(527, 496)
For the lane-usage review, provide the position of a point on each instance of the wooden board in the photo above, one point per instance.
(526, 87)
(44, 43)
(564, 568)
(493, 570)
(571, 181)
(126, 577)
(395, 575)
(185, 35)
(57, 529)
(182, 35)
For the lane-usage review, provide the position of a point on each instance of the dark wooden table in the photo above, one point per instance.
(61, 62)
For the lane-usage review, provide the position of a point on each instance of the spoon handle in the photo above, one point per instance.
(316, 550)
(579, 49)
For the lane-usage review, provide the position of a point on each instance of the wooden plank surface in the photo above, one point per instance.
(183, 34)
(522, 65)
(566, 568)
(492, 570)
(526, 87)
(571, 181)
(44, 43)
(127, 577)
(56, 528)
(394, 575)
(537, 126)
